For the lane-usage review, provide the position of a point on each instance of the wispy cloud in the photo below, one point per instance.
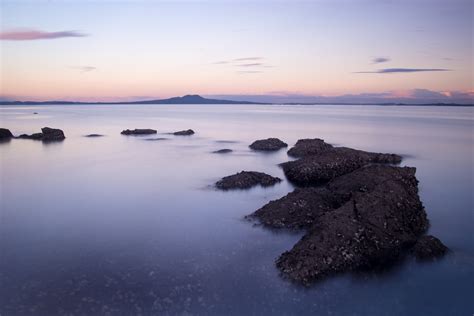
(84, 68)
(243, 72)
(250, 65)
(379, 60)
(29, 35)
(401, 70)
(248, 58)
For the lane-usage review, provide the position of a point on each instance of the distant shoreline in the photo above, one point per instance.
(196, 100)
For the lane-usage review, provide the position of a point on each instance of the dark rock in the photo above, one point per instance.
(156, 139)
(222, 151)
(5, 133)
(373, 229)
(332, 163)
(246, 180)
(94, 135)
(429, 248)
(35, 136)
(308, 147)
(138, 131)
(184, 133)
(52, 134)
(269, 144)
(35, 113)
(301, 208)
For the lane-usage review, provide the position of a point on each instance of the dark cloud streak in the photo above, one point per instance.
(401, 70)
(29, 35)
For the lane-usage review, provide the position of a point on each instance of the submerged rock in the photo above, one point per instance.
(308, 147)
(332, 163)
(246, 180)
(139, 131)
(187, 132)
(52, 134)
(429, 248)
(94, 135)
(269, 144)
(222, 151)
(35, 136)
(5, 134)
(156, 139)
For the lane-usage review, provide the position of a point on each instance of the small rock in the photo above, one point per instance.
(139, 131)
(269, 144)
(222, 151)
(308, 147)
(187, 132)
(156, 139)
(246, 180)
(52, 134)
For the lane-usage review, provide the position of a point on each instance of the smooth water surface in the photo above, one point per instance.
(119, 225)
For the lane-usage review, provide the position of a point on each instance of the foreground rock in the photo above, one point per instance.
(308, 147)
(429, 248)
(331, 163)
(269, 144)
(47, 135)
(222, 151)
(139, 131)
(187, 132)
(246, 180)
(367, 219)
(5, 134)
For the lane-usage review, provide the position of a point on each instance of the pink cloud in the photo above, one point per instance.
(29, 35)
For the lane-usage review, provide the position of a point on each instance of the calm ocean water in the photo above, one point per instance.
(123, 226)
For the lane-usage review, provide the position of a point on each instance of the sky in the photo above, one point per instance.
(271, 51)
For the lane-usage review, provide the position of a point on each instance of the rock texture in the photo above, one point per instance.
(187, 132)
(138, 131)
(308, 147)
(246, 180)
(269, 144)
(429, 248)
(331, 163)
(366, 219)
(5, 134)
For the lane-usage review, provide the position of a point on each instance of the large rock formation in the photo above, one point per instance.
(331, 163)
(269, 144)
(365, 219)
(246, 180)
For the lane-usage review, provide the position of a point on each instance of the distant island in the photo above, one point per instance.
(197, 99)
(187, 99)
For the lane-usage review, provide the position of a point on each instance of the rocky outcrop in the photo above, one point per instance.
(429, 248)
(187, 132)
(366, 219)
(246, 180)
(52, 134)
(308, 147)
(222, 151)
(47, 135)
(269, 144)
(138, 131)
(329, 164)
(5, 134)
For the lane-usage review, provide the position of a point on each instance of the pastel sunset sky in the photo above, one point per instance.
(265, 50)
